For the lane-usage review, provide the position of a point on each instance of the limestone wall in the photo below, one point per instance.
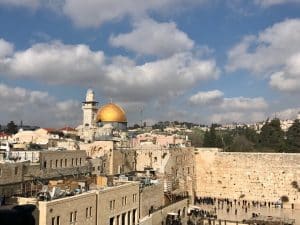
(180, 169)
(152, 156)
(250, 176)
(123, 161)
(179, 207)
(151, 197)
(11, 172)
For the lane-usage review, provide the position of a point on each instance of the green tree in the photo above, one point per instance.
(11, 128)
(293, 137)
(206, 139)
(241, 144)
(196, 137)
(227, 138)
(211, 139)
(272, 136)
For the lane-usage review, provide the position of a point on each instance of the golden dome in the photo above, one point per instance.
(111, 113)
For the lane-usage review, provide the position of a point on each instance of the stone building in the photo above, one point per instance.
(118, 204)
(78, 209)
(11, 177)
(19, 177)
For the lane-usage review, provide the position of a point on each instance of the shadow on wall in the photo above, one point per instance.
(18, 215)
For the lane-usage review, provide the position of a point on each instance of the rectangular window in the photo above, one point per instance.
(50, 163)
(56, 163)
(128, 217)
(80, 161)
(0, 172)
(87, 212)
(16, 170)
(124, 200)
(123, 218)
(72, 162)
(71, 217)
(118, 220)
(57, 220)
(66, 162)
(90, 211)
(134, 197)
(75, 216)
(111, 205)
(111, 221)
(133, 216)
(53, 221)
(61, 163)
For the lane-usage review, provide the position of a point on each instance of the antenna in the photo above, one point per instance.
(141, 109)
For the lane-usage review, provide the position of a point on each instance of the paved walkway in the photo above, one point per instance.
(242, 213)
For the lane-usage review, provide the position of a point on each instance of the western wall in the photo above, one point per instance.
(248, 176)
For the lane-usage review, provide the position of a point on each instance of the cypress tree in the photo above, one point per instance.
(272, 136)
(293, 137)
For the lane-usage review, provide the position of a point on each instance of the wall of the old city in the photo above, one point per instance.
(151, 197)
(123, 161)
(161, 215)
(180, 169)
(250, 176)
(152, 156)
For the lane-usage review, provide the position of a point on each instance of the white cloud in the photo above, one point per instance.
(290, 113)
(37, 107)
(216, 98)
(207, 98)
(152, 38)
(93, 13)
(228, 110)
(117, 77)
(96, 12)
(55, 5)
(268, 3)
(237, 117)
(288, 79)
(54, 63)
(21, 3)
(242, 103)
(266, 52)
(6, 48)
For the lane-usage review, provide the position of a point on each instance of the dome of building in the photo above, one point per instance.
(111, 113)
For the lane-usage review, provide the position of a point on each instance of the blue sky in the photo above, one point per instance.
(194, 60)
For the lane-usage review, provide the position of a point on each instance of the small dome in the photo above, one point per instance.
(111, 113)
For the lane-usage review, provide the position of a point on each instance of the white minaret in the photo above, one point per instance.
(89, 108)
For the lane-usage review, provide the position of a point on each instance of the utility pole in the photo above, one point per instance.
(141, 109)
